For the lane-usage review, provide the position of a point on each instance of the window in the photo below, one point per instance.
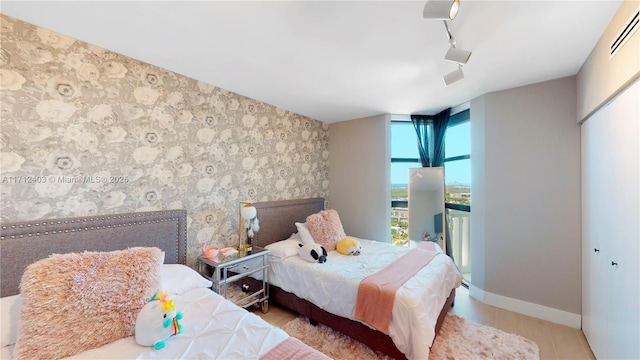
(457, 174)
(457, 169)
(457, 162)
(404, 155)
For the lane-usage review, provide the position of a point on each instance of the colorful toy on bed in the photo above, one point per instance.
(312, 252)
(349, 246)
(157, 321)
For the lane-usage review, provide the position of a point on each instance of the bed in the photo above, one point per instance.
(278, 220)
(212, 327)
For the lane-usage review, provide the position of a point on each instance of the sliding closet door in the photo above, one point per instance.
(611, 229)
(595, 213)
(624, 320)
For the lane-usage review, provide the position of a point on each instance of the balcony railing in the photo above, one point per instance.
(459, 222)
(459, 219)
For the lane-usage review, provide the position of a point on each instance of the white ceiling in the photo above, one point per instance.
(338, 60)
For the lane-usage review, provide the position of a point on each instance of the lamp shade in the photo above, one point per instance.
(457, 55)
(441, 9)
(453, 76)
(248, 212)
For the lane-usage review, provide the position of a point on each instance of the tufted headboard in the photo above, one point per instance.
(278, 218)
(22, 243)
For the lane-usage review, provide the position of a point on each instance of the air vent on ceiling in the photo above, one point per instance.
(627, 31)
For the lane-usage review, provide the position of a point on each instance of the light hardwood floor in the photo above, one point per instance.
(554, 341)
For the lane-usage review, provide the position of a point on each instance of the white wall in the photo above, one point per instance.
(525, 227)
(601, 77)
(359, 174)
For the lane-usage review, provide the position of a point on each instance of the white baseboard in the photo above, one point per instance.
(526, 308)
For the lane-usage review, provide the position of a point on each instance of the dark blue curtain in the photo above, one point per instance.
(421, 123)
(439, 122)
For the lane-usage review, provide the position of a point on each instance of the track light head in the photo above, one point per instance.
(456, 55)
(441, 9)
(453, 76)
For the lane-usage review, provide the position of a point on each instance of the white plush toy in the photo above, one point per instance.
(312, 252)
(157, 322)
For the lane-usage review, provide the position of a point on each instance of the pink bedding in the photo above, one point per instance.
(376, 292)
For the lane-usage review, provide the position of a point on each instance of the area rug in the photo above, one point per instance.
(458, 339)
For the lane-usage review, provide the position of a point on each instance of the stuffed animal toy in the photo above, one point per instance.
(157, 321)
(312, 252)
(349, 246)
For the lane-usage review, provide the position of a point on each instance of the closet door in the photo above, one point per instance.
(624, 236)
(595, 213)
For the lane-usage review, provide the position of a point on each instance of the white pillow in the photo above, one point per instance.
(305, 234)
(177, 279)
(10, 317)
(281, 250)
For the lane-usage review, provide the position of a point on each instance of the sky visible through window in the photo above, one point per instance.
(404, 144)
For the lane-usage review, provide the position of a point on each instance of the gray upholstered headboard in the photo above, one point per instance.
(278, 218)
(22, 243)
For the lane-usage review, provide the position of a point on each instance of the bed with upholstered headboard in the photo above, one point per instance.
(67, 283)
(277, 222)
(278, 218)
(25, 242)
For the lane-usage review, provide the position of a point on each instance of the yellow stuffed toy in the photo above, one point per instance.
(349, 246)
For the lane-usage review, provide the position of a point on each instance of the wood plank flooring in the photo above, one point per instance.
(554, 341)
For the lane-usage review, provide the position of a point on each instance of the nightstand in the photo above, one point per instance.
(236, 267)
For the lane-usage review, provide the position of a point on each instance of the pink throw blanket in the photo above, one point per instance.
(377, 292)
(427, 245)
(293, 349)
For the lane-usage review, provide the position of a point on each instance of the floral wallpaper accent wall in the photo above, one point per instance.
(87, 131)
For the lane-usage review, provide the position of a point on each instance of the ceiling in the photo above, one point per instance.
(338, 60)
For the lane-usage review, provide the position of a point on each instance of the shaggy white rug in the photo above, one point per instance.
(458, 339)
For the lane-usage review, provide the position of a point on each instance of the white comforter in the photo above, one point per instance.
(213, 328)
(333, 286)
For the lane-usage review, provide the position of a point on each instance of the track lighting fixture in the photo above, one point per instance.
(441, 9)
(457, 55)
(454, 54)
(447, 10)
(453, 76)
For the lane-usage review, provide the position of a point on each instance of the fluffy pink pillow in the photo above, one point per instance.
(326, 228)
(80, 301)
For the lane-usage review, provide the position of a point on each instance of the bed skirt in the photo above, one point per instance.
(354, 329)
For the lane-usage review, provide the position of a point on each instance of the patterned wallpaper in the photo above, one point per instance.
(87, 131)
